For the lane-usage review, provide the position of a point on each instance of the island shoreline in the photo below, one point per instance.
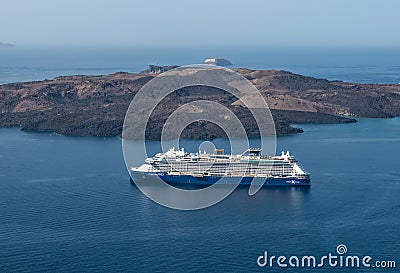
(96, 105)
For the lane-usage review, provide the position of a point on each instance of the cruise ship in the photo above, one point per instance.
(204, 169)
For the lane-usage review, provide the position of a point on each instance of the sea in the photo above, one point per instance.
(67, 205)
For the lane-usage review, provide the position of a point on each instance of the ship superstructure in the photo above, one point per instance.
(178, 166)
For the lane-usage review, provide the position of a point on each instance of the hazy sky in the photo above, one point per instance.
(205, 22)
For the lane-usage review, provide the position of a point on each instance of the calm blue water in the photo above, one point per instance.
(66, 204)
(364, 65)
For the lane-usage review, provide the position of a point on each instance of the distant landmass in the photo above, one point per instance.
(96, 105)
(218, 61)
(6, 45)
(155, 69)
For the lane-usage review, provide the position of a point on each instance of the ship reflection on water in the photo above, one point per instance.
(269, 198)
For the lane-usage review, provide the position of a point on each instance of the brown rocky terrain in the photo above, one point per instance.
(96, 105)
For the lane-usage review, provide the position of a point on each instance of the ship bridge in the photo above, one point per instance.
(253, 151)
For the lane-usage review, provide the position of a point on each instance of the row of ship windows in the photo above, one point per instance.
(229, 170)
